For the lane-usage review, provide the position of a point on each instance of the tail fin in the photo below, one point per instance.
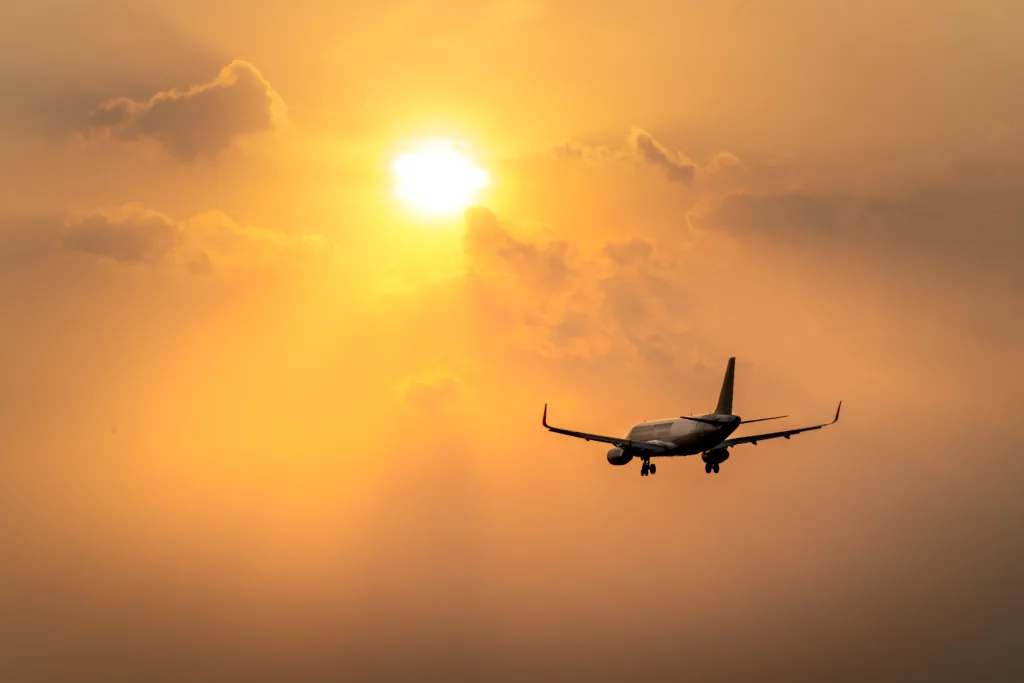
(725, 398)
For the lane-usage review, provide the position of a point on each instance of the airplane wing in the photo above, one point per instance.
(785, 434)
(621, 443)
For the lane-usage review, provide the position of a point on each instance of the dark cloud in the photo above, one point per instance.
(131, 234)
(491, 246)
(203, 120)
(569, 150)
(587, 153)
(642, 146)
(50, 90)
(676, 166)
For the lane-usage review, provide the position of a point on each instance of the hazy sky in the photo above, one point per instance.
(262, 421)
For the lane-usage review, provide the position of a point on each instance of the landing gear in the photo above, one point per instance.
(714, 458)
(648, 468)
(653, 468)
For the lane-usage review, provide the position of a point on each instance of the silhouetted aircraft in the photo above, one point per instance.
(704, 434)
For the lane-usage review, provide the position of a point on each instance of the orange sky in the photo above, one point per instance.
(260, 420)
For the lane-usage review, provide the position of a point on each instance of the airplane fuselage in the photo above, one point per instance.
(680, 436)
(687, 437)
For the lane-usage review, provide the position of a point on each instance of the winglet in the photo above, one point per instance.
(544, 419)
(836, 419)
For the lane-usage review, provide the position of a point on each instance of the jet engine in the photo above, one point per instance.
(617, 456)
(715, 455)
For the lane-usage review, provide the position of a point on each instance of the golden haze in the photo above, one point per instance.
(268, 413)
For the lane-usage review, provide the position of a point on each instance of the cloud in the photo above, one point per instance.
(643, 296)
(549, 299)
(587, 153)
(203, 120)
(50, 92)
(491, 247)
(642, 146)
(202, 244)
(127, 234)
(528, 296)
(722, 162)
(569, 150)
(678, 168)
(213, 240)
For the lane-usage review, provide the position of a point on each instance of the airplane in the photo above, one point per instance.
(705, 434)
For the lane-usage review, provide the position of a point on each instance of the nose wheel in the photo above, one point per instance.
(709, 467)
(648, 468)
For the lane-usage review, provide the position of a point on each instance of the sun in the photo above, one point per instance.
(438, 178)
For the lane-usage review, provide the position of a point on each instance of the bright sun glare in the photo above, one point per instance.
(438, 179)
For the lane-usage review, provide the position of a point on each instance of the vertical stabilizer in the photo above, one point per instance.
(725, 398)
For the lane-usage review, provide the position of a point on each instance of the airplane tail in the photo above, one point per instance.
(725, 398)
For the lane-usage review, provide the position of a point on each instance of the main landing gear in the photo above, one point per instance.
(648, 468)
(709, 467)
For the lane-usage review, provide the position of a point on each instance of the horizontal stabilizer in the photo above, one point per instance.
(762, 419)
(702, 420)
